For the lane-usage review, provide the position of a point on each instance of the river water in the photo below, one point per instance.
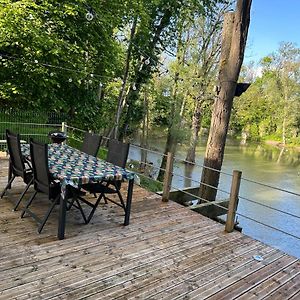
(262, 164)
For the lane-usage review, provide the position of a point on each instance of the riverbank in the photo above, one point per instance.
(281, 145)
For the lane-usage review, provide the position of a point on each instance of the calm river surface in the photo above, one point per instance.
(263, 164)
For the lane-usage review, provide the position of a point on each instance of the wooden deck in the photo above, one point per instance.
(167, 252)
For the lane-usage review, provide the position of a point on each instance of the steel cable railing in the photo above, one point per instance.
(267, 225)
(270, 207)
(74, 128)
(149, 150)
(202, 183)
(199, 198)
(202, 166)
(196, 197)
(270, 186)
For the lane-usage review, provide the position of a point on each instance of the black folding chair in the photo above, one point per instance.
(117, 155)
(18, 165)
(91, 143)
(44, 183)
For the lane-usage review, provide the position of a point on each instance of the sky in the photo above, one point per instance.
(272, 22)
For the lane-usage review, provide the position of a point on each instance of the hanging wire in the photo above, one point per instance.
(36, 62)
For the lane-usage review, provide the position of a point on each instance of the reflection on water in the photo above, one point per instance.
(263, 164)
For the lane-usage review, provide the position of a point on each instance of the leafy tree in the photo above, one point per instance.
(50, 51)
(157, 32)
(271, 105)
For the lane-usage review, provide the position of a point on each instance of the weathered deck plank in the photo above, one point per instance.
(167, 252)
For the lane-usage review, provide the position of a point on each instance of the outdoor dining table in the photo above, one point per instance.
(74, 168)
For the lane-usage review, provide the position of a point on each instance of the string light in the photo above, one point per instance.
(83, 72)
(89, 16)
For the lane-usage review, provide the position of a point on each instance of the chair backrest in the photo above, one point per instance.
(39, 160)
(117, 153)
(91, 143)
(14, 148)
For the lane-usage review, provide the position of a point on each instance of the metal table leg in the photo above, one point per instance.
(62, 216)
(128, 201)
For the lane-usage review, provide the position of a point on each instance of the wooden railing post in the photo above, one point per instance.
(64, 129)
(168, 177)
(233, 201)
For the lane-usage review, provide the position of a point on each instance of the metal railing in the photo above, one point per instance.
(239, 196)
(169, 173)
(28, 124)
(232, 196)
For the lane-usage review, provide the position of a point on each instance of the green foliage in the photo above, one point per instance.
(151, 185)
(34, 36)
(270, 107)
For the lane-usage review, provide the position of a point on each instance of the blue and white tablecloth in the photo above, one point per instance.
(73, 167)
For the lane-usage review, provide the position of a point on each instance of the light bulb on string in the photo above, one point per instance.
(70, 80)
(147, 61)
(90, 81)
(134, 87)
(100, 89)
(89, 16)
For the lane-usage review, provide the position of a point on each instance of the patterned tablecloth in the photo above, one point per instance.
(73, 167)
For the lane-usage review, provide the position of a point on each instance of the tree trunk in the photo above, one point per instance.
(196, 125)
(142, 72)
(234, 39)
(144, 139)
(125, 78)
(172, 137)
(170, 147)
(285, 116)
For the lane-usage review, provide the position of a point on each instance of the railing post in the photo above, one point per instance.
(168, 177)
(233, 201)
(64, 129)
